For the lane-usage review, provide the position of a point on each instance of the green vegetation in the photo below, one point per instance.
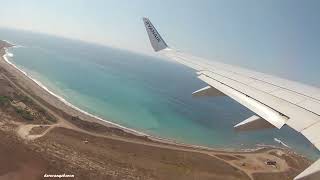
(23, 98)
(26, 99)
(4, 100)
(51, 119)
(75, 118)
(25, 114)
(47, 115)
(42, 111)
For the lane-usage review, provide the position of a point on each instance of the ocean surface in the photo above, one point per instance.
(148, 94)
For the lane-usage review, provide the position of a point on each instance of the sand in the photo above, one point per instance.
(49, 137)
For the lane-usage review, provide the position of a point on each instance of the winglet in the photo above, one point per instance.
(155, 39)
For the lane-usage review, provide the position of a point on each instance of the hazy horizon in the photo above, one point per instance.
(275, 37)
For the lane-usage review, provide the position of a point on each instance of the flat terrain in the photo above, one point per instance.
(40, 135)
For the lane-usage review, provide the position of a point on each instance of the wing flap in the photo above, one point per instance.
(263, 83)
(290, 110)
(272, 116)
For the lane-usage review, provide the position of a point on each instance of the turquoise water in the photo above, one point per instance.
(144, 93)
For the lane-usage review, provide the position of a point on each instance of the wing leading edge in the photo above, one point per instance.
(277, 102)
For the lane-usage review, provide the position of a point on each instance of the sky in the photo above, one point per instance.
(279, 37)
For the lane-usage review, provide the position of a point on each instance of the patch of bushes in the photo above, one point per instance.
(26, 99)
(75, 118)
(47, 115)
(24, 114)
(51, 119)
(23, 98)
(4, 100)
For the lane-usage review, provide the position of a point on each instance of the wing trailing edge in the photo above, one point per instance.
(267, 113)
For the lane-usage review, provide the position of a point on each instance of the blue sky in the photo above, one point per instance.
(275, 36)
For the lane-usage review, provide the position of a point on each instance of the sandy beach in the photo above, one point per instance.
(41, 134)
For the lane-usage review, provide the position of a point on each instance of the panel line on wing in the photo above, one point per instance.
(226, 67)
(280, 105)
(266, 112)
(262, 91)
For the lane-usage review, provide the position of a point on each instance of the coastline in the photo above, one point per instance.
(62, 99)
(70, 143)
(58, 102)
(63, 105)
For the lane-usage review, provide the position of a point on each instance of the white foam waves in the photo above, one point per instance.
(8, 54)
(157, 138)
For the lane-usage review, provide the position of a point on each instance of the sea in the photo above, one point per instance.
(148, 94)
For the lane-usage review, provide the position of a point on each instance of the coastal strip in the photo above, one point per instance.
(84, 113)
(91, 146)
(60, 103)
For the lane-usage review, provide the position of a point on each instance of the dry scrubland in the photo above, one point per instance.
(40, 135)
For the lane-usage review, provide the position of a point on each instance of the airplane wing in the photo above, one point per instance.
(276, 101)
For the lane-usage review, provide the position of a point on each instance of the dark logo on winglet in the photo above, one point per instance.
(153, 31)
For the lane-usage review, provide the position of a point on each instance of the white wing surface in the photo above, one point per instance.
(276, 101)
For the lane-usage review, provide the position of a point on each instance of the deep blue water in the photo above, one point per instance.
(145, 93)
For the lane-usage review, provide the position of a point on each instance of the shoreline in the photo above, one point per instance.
(60, 139)
(68, 108)
(65, 101)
